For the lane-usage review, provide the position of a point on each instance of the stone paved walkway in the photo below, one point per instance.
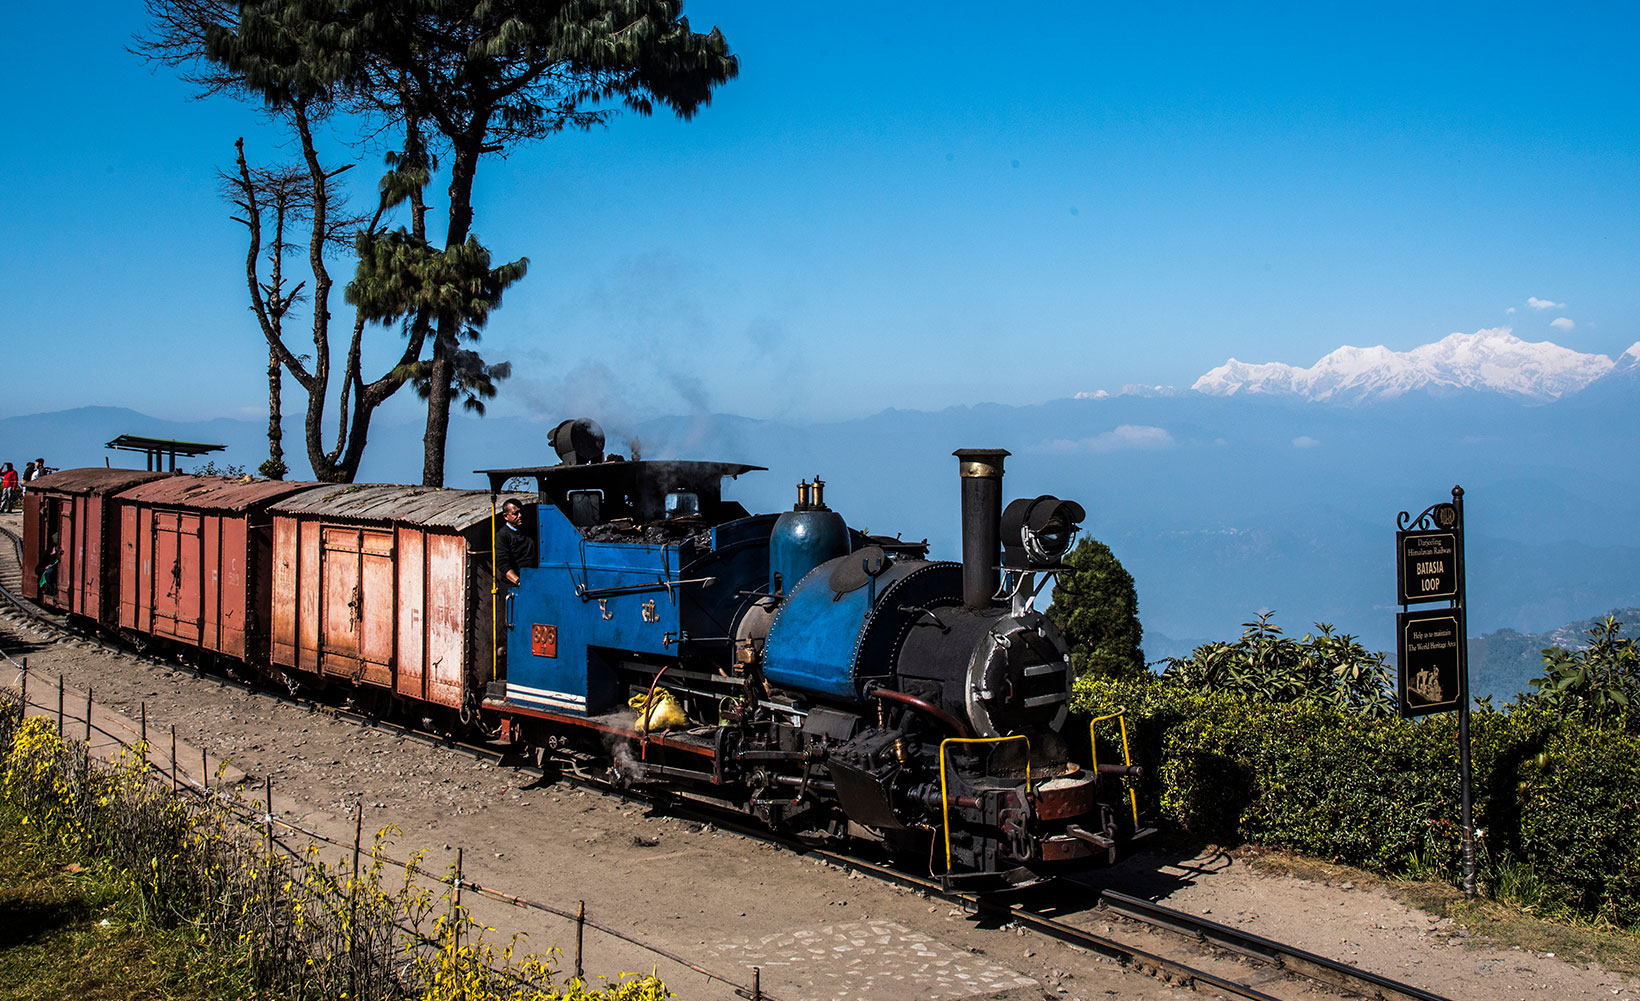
(877, 960)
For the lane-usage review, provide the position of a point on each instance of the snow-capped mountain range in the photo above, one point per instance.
(1492, 360)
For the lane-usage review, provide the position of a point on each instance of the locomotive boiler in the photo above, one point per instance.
(834, 683)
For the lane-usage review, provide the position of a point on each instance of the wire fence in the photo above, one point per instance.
(274, 829)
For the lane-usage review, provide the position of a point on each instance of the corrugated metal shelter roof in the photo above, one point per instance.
(214, 493)
(429, 506)
(92, 480)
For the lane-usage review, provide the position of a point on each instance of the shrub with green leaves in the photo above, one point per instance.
(1266, 665)
(1554, 795)
(1600, 681)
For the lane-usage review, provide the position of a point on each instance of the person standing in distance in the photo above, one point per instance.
(8, 488)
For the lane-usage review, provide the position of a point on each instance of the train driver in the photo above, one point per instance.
(514, 549)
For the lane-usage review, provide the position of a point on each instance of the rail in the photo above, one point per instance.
(1259, 948)
(1122, 952)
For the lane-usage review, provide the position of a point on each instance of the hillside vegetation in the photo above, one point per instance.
(1502, 664)
(1266, 740)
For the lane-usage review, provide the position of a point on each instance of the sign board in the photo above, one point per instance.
(1430, 647)
(1428, 566)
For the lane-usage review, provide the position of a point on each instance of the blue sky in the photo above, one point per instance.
(914, 208)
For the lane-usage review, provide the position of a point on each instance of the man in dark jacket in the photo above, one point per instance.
(514, 549)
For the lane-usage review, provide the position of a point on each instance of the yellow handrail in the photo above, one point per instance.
(495, 655)
(945, 804)
(1120, 716)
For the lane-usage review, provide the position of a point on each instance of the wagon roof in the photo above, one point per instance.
(429, 506)
(92, 480)
(214, 493)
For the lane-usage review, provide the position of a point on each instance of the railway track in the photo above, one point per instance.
(11, 571)
(1202, 942)
(1277, 962)
(11, 582)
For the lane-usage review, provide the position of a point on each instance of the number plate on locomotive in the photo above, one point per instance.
(544, 640)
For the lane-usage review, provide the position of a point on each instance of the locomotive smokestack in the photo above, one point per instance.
(981, 522)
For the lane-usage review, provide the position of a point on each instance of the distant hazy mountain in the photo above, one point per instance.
(1503, 663)
(1218, 505)
(1493, 361)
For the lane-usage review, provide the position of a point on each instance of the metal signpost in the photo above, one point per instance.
(1432, 644)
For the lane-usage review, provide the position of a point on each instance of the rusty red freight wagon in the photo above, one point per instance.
(73, 510)
(196, 564)
(387, 587)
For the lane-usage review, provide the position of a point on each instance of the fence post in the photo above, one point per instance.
(22, 699)
(267, 823)
(145, 728)
(59, 705)
(204, 770)
(757, 983)
(174, 786)
(455, 916)
(352, 900)
(85, 749)
(580, 930)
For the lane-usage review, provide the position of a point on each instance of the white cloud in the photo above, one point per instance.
(1536, 303)
(1510, 311)
(1124, 438)
(1562, 323)
(1305, 441)
(1098, 394)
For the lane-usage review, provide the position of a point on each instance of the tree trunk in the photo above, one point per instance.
(276, 434)
(324, 466)
(438, 407)
(446, 343)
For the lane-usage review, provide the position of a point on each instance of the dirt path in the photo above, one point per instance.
(728, 903)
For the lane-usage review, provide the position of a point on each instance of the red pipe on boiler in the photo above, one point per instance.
(922, 705)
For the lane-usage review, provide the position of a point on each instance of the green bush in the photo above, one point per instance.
(1555, 796)
(1600, 681)
(1266, 665)
(1578, 822)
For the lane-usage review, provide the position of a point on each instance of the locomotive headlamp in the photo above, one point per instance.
(1038, 531)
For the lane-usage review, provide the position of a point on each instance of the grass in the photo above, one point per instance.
(1497, 921)
(65, 935)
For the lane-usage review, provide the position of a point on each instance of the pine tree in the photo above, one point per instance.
(1096, 607)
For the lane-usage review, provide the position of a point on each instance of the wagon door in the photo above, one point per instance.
(70, 556)
(379, 608)
(356, 634)
(340, 601)
(131, 567)
(178, 595)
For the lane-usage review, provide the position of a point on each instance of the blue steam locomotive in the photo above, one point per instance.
(827, 682)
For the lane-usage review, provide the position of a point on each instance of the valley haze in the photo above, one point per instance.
(1262, 487)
